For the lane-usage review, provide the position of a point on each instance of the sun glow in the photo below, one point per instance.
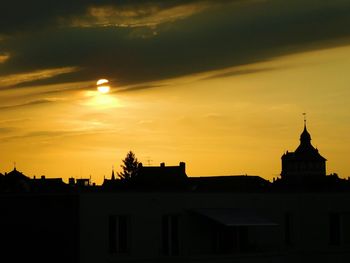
(100, 100)
(103, 89)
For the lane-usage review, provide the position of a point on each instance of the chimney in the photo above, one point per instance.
(183, 167)
(162, 164)
(71, 181)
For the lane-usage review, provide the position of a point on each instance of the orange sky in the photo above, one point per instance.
(218, 84)
(218, 122)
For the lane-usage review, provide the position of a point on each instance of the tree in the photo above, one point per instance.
(130, 165)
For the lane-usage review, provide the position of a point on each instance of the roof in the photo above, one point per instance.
(162, 173)
(229, 183)
(305, 150)
(162, 170)
(16, 174)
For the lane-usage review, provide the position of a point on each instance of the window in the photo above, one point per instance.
(170, 235)
(229, 240)
(118, 234)
(334, 229)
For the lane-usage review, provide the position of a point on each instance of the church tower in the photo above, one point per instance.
(305, 162)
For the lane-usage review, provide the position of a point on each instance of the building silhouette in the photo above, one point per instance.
(305, 162)
(163, 215)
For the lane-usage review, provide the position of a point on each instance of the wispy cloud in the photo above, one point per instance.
(4, 57)
(12, 121)
(239, 71)
(139, 87)
(149, 15)
(6, 130)
(45, 135)
(95, 13)
(15, 79)
(29, 103)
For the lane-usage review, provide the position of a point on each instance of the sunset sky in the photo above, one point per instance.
(220, 85)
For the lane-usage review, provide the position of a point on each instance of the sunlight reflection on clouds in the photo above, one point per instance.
(99, 100)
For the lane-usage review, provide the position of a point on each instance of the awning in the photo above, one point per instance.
(234, 217)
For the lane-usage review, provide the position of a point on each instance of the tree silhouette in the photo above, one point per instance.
(129, 166)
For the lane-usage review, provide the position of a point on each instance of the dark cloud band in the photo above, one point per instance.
(232, 34)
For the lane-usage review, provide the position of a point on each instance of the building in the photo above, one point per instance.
(214, 227)
(305, 162)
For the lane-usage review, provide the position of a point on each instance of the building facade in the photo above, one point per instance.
(214, 227)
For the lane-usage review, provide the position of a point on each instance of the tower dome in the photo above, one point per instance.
(305, 136)
(305, 161)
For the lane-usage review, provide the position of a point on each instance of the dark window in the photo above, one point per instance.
(231, 239)
(118, 234)
(334, 229)
(170, 235)
(288, 228)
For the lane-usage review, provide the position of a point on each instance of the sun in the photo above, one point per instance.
(99, 98)
(102, 86)
(101, 81)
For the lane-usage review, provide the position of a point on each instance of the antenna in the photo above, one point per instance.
(14, 165)
(149, 161)
(113, 177)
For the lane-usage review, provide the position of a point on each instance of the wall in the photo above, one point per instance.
(309, 237)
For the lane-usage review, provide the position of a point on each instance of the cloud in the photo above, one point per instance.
(6, 130)
(28, 103)
(40, 14)
(133, 42)
(30, 77)
(4, 57)
(139, 87)
(49, 134)
(236, 72)
(147, 15)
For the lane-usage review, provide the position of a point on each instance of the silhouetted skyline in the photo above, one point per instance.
(158, 213)
(304, 169)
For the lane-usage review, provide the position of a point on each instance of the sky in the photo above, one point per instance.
(220, 85)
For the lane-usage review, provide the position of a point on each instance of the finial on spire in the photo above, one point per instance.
(305, 136)
(304, 114)
(14, 166)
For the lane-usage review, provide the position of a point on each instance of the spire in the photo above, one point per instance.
(305, 136)
(113, 177)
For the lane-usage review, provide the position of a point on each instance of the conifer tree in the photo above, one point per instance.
(130, 165)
